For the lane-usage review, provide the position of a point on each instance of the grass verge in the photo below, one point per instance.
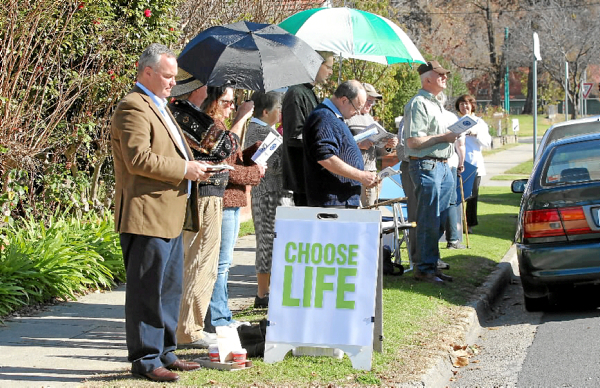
(420, 320)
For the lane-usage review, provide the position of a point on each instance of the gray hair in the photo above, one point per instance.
(151, 56)
(348, 89)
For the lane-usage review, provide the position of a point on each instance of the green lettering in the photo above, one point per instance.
(329, 254)
(343, 287)
(321, 286)
(290, 258)
(308, 280)
(316, 257)
(342, 256)
(303, 251)
(287, 288)
(352, 255)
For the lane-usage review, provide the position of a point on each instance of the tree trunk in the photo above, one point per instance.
(497, 74)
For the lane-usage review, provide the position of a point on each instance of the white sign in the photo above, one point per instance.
(586, 88)
(515, 125)
(323, 280)
(536, 47)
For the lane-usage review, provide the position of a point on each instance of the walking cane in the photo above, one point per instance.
(464, 209)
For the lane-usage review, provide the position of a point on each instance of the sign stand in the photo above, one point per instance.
(326, 283)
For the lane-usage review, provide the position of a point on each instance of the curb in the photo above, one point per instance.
(488, 292)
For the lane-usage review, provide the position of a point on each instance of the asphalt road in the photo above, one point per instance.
(516, 348)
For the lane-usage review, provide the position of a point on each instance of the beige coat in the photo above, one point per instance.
(150, 196)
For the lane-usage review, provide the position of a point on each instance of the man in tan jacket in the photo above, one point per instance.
(154, 172)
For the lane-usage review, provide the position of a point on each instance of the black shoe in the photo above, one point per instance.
(442, 264)
(261, 302)
(428, 277)
(443, 276)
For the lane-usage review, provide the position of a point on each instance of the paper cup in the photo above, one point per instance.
(213, 353)
(239, 357)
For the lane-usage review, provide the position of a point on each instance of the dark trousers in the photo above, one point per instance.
(471, 209)
(153, 292)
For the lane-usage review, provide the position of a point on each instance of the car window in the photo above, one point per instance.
(573, 163)
(564, 131)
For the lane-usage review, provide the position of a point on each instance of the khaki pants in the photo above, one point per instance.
(201, 257)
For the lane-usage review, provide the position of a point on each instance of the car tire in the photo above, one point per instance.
(536, 304)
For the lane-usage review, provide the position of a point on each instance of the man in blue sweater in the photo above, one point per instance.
(333, 163)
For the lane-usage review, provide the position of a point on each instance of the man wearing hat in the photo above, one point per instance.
(370, 151)
(428, 146)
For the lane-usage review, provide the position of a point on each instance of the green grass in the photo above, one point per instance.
(526, 124)
(418, 318)
(246, 228)
(523, 168)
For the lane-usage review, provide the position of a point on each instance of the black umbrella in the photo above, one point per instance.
(251, 56)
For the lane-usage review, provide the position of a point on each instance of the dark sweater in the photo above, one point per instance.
(298, 102)
(325, 135)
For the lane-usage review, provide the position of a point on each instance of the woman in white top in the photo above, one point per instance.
(477, 138)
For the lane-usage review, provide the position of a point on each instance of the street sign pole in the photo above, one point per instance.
(536, 57)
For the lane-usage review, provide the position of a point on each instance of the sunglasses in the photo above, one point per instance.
(227, 102)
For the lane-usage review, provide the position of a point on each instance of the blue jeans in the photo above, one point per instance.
(433, 189)
(220, 315)
(453, 213)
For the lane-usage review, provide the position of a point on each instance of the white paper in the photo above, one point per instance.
(386, 172)
(267, 148)
(463, 124)
(219, 167)
(228, 341)
(375, 133)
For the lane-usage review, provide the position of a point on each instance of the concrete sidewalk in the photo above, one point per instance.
(77, 340)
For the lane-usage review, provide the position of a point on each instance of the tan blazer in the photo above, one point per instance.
(150, 196)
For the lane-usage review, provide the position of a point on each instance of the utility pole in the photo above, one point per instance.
(506, 74)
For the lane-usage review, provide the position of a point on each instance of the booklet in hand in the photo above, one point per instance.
(219, 167)
(387, 172)
(375, 133)
(463, 124)
(267, 148)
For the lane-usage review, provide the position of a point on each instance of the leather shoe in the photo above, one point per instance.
(442, 264)
(428, 277)
(184, 366)
(159, 374)
(443, 276)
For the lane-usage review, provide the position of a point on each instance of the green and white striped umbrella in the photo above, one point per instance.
(353, 34)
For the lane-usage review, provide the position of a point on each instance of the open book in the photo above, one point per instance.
(463, 124)
(267, 148)
(375, 133)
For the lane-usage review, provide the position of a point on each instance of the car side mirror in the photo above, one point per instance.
(519, 185)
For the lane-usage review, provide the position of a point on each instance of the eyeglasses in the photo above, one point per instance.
(354, 106)
(371, 102)
(226, 102)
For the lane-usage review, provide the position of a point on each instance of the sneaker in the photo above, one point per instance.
(261, 302)
(203, 343)
(455, 245)
(442, 264)
(236, 324)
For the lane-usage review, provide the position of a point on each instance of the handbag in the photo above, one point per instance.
(208, 141)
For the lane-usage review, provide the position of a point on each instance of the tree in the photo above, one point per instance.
(470, 34)
(64, 66)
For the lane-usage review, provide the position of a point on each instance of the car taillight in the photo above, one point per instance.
(574, 220)
(542, 223)
(555, 222)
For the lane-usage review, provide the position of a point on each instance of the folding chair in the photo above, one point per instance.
(392, 197)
